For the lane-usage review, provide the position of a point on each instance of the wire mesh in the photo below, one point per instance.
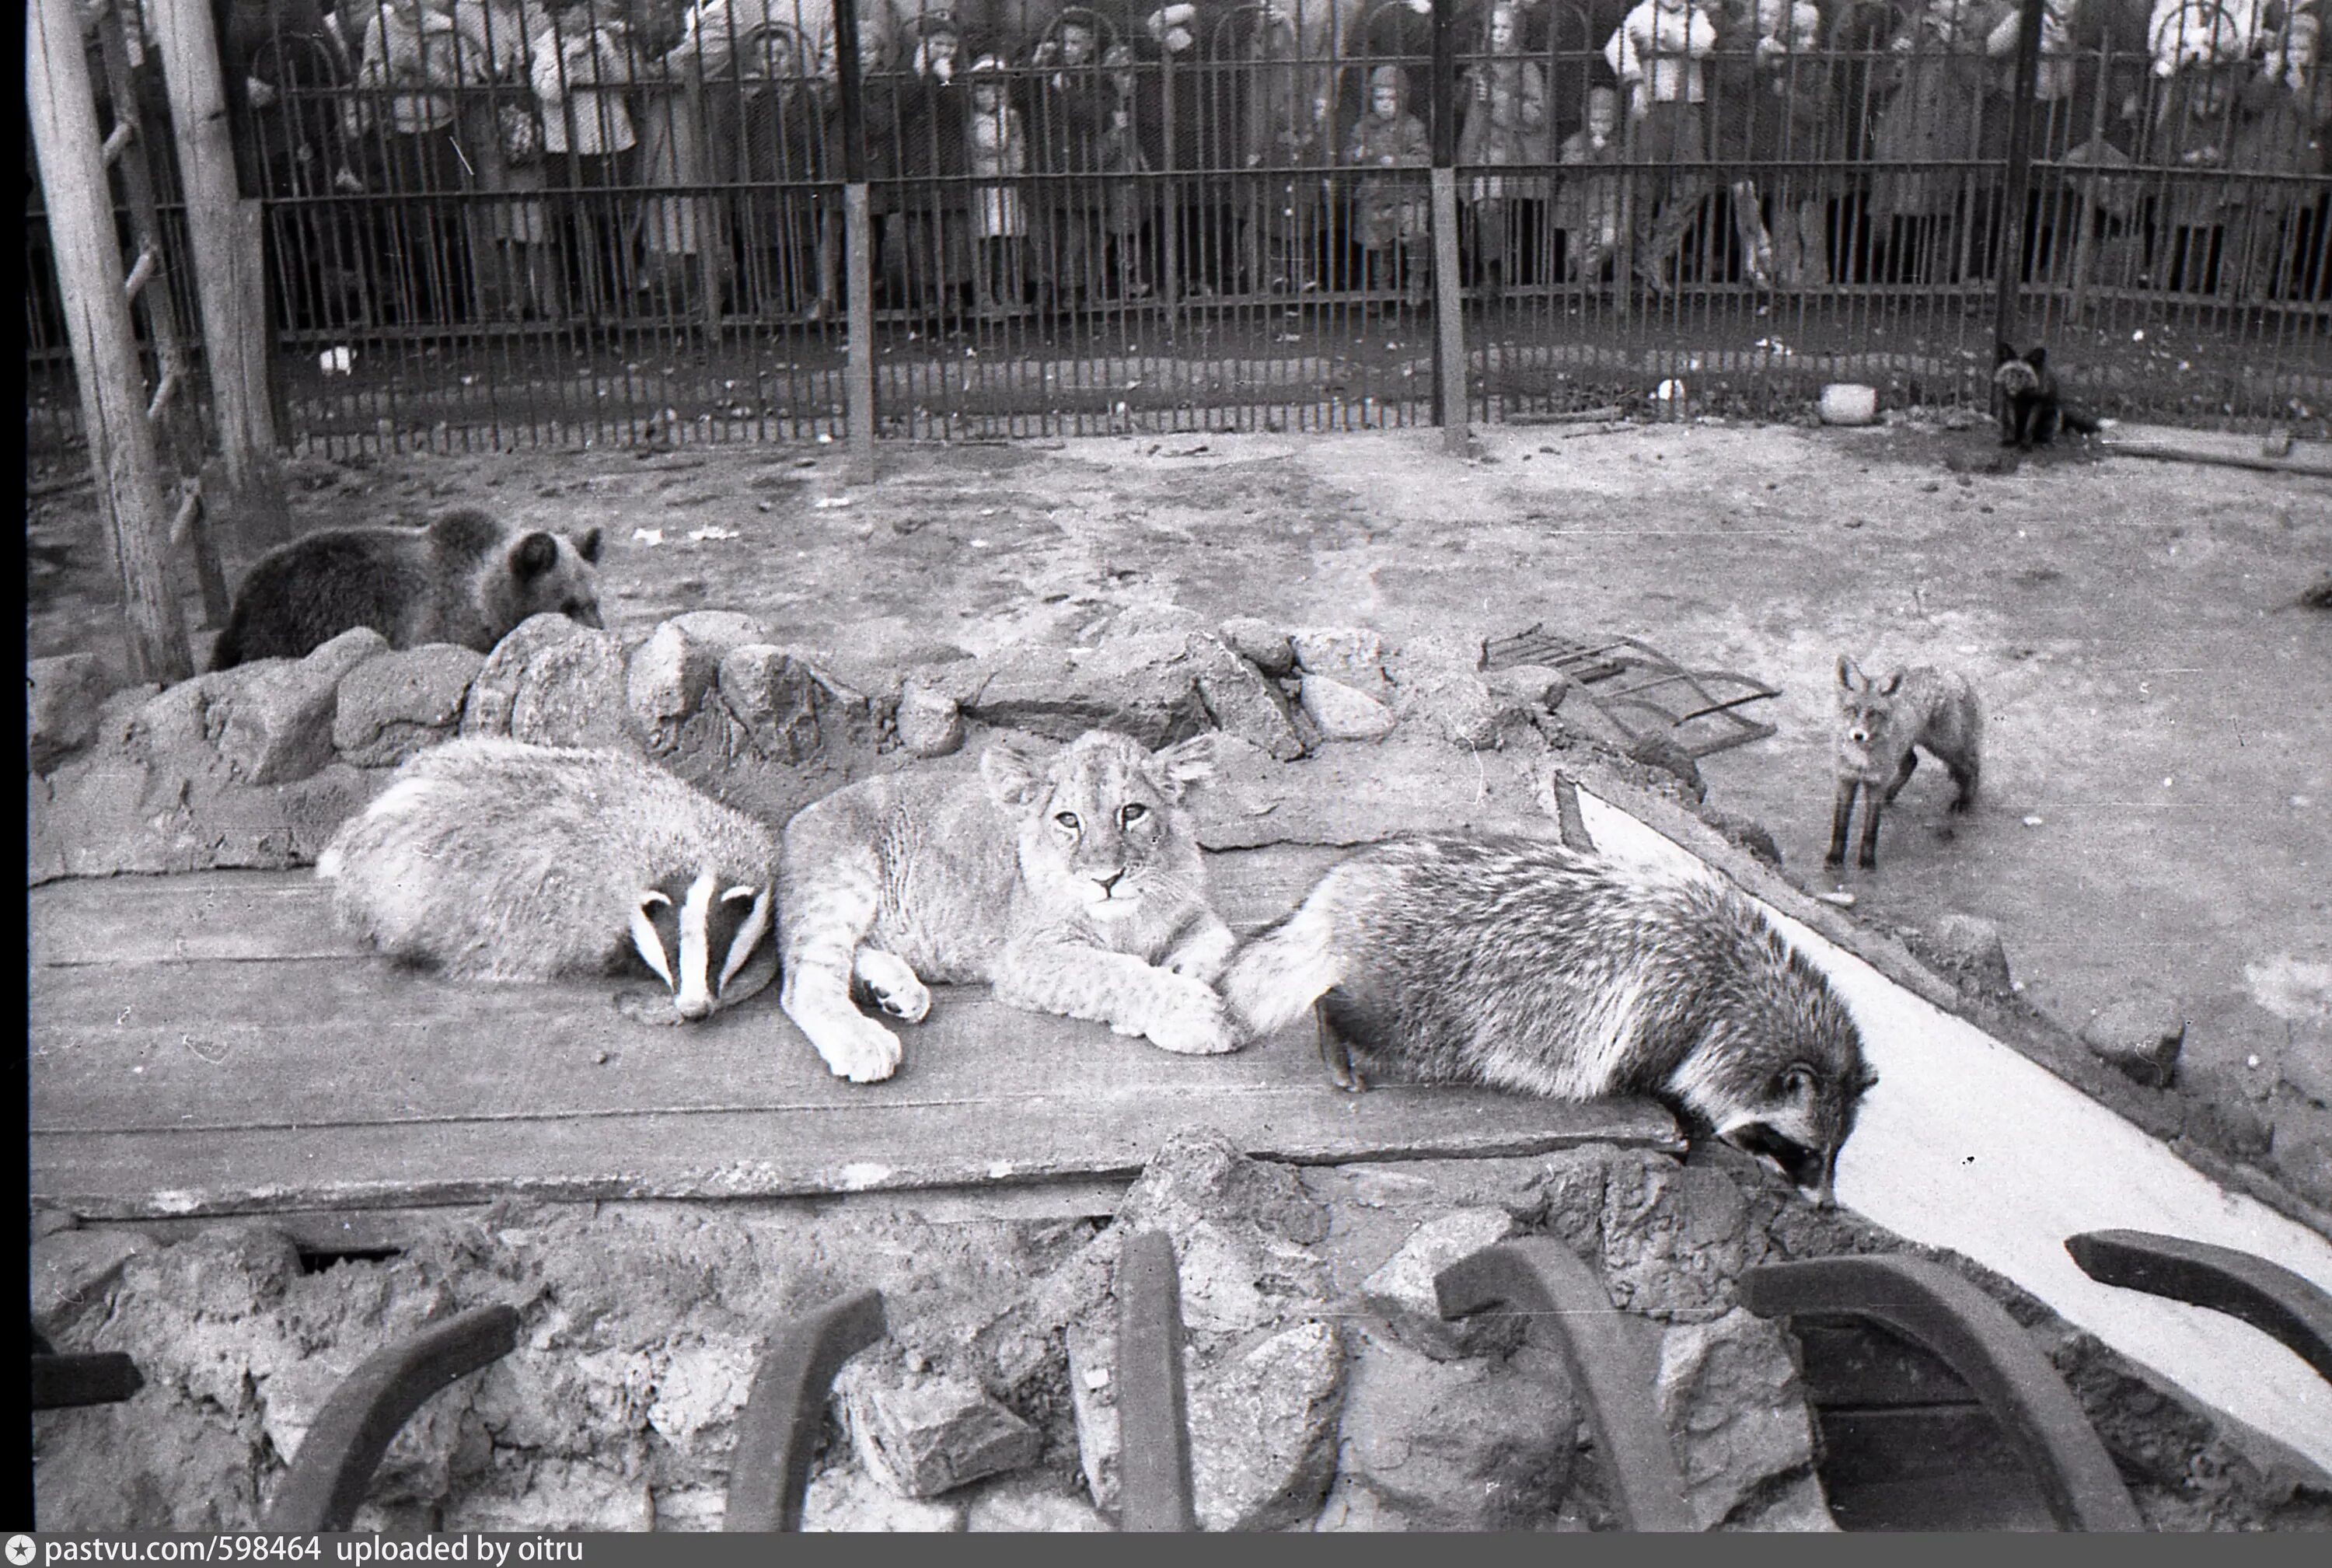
(496, 223)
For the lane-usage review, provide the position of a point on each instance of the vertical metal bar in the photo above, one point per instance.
(63, 111)
(1154, 1484)
(2011, 264)
(1448, 298)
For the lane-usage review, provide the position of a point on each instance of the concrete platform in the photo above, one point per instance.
(212, 1044)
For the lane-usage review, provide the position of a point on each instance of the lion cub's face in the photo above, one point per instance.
(1101, 825)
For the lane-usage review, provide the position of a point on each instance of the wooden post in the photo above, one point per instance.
(2010, 301)
(1449, 295)
(230, 278)
(857, 242)
(64, 111)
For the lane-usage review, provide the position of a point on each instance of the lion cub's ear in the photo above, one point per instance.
(1185, 762)
(1012, 776)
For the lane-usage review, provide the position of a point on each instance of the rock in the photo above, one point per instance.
(1533, 686)
(2305, 1065)
(2228, 1126)
(1263, 1424)
(1971, 944)
(1799, 1508)
(1024, 1505)
(1674, 1237)
(1344, 712)
(1471, 1445)
(2140, 1036)
(553, 683)
(346, 652)
(776, 697)
(1439, 678)
(700, 1386)
(930, 723)
(1144, 685)
(1351, 654)
(1735, 1409)
(1655, 749)
(71, 1269)
(1848, 403)
(418, 1464)
(921, 1436)
(270, 722)
(846, 1498)
(958, 679)
(718, 632)
(1242, 701)
(1403, 1291)
(556, 1496)
(104, 814)
(666, 683)
(2302, 1154)
(62, 699)
(1259, 642)
(1352, 1508)
(400, 704)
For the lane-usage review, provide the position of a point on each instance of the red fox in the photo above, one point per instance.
(1878, 723)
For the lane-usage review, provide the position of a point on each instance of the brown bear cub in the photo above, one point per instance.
(464, 579)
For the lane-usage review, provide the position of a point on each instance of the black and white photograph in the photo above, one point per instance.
(985, 766)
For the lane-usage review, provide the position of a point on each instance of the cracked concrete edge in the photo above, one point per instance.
(2025, 1029)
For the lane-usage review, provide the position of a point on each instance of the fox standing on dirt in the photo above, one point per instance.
(1878, 723)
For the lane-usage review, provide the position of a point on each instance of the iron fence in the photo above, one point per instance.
(494, 222)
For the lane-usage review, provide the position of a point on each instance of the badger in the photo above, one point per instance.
(493, 859)
(1517, 963)
(464, 579)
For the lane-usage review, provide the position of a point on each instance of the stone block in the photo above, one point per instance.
(846, 1498)
(1674, 1237)
(1735, 1409)
(1351, 654)
(400, 703)
(2141, 1037)
(1242, 701)
(1403, 1290)
(1260, 643)
(720, 631)
(776, 696)
(270, 722)
(1471, 1445)
(2302, 1152)
(1031, 1504)
(1655, 749)
(1144, 685)
(62, 699)
(338, 655)
(1971, 944)
(1534, 686)
(553, 683)
(665, 681)
(930, 723)
(72, 1270)
(921, 1435)
(1344, 712)
(1438, 679)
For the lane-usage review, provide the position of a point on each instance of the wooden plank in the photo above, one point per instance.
(208, 1044)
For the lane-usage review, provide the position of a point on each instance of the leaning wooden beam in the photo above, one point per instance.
(225, 230)
(63, 112)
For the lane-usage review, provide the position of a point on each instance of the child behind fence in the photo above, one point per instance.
(1389, 209)
(1587, 204)
(997, 145)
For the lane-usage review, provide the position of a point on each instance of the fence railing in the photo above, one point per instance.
(495, 221)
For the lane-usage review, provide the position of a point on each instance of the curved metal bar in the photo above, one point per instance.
(2267, 1295)
(1974, 1336)
(338, 1457)
(1610, 1363)
(777, 1432)
(1154, 1447)
(96, 1378)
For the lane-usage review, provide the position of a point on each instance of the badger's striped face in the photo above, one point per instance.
(697, 933)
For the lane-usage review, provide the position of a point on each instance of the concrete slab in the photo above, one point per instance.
(1966, 1145)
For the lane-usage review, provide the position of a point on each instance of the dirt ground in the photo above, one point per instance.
(2156, 821)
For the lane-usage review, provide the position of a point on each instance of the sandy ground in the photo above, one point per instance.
(2157, 812)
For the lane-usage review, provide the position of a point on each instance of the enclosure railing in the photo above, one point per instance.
(498, 221)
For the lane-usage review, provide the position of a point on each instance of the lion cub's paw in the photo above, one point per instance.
(1193, 1022)
(859, 1049)
(894, 986)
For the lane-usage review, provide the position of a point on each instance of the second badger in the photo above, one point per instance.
(1523, 965)
(493, 859)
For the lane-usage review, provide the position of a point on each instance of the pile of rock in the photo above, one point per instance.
(257, 765)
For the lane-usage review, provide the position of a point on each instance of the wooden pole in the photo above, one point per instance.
(63, 111)
(857, 242)
(230, 282)
(2008, 305)
(1448, 298)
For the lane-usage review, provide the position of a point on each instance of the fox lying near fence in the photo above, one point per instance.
(1880, 722)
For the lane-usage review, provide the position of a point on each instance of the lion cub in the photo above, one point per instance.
(1070, 887)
